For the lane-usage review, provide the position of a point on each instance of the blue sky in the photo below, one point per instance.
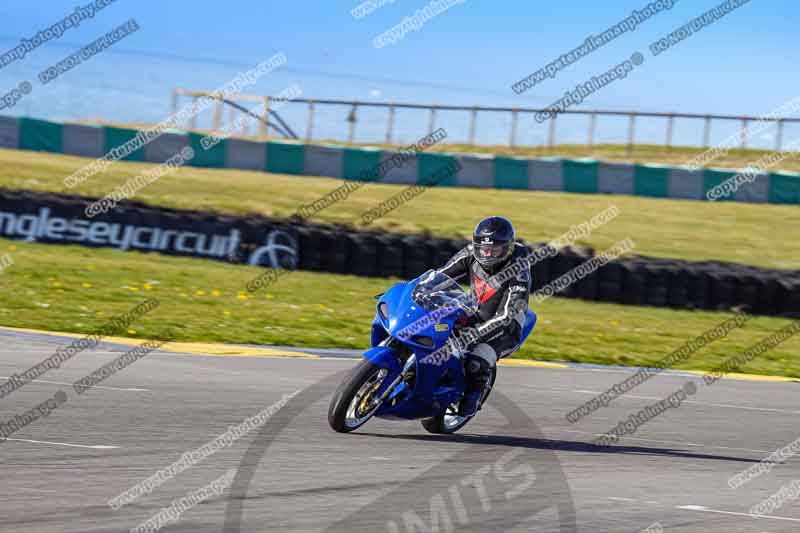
(470, 54)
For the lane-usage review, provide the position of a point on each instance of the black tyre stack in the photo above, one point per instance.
(631, 280)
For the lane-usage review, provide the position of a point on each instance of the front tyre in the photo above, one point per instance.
(354, 402)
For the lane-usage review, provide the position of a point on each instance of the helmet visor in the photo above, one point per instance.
(491, 251)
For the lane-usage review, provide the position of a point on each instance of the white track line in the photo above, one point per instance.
(746, 450)
(91, 447)
(633, 369)
(36, 490)
(727, 405)
(717, 511)
(94, 386)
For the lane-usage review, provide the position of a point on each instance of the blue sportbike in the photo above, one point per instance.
(414, 369)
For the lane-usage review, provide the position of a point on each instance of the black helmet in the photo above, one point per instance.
(493, 241)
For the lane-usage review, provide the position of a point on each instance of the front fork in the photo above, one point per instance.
(408, 368)
(386, 357)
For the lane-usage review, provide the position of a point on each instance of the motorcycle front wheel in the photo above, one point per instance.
(353, 402)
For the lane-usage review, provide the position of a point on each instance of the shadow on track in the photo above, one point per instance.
(554, 445)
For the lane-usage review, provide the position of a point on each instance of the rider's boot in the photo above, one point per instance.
(478, 373)
(470, 404)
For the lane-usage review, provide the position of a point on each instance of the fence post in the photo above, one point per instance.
(779, 136)
(390, 124)
(670, 120)
(232, 118)
(551, 136)
(263, 129)
(352, 119)
(432, 120)
(707, 132)
(472, 123)
(310, 123)
(592, 125)
(193, 120)
(631, 133)
(744, 133)
(245, 125)
(513, 139)
(217, 112)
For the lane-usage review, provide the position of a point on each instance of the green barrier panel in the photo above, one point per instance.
(430, 164)
(115, 137)
(214, 157)
(510, 173)
(361, 165)
(580, 176)
(285, 158)
(40, 135)
(651, 181)
(712, 178)
(784, 189)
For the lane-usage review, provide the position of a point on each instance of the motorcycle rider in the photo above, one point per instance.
(496, 328)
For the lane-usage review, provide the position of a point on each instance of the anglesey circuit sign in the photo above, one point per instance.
(42, 226)
(279, 250)
(150, 230)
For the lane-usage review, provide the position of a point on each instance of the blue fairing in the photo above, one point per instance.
(530, 323)
(384, 357)
(434, 387)
(402, 312)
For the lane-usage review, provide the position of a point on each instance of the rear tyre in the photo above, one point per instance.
(352, 406)
(449, 421)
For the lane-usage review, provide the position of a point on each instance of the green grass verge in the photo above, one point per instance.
(77, 289)
(726, 231)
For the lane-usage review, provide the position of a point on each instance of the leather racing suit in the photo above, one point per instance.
(500, 312)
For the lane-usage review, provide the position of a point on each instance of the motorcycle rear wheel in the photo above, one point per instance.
(351, 406)
(449, 421)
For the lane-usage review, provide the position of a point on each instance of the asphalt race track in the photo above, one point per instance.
(520, 466)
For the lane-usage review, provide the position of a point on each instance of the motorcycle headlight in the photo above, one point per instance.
(383, 310)
(423, 340)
